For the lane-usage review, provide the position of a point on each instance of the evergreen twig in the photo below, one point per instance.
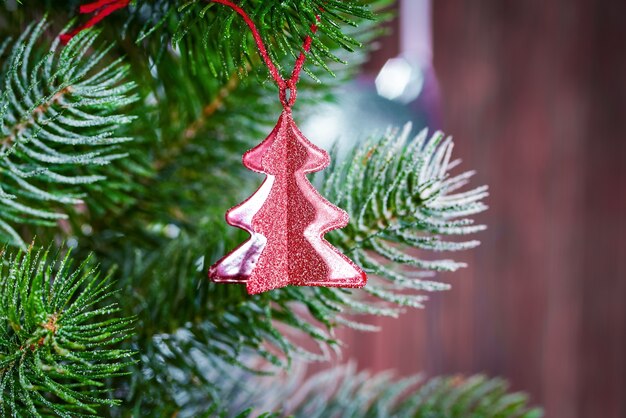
(56, 336)
(57, 127)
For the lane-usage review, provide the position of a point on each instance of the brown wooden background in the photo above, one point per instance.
(534, 93)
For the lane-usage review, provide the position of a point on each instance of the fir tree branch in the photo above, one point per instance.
(191, 131)
(56, 336)
(283, 23)
(342, 391)
(402, 202)
(57, 125)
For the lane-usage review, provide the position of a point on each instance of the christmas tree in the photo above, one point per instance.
(121, 146)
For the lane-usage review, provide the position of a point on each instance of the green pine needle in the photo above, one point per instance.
(56, 334)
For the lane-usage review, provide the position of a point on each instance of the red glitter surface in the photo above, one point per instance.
(287, 219)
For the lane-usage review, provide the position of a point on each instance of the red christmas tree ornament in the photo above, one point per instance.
(286, 217)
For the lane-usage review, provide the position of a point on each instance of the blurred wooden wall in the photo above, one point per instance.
(534, 93)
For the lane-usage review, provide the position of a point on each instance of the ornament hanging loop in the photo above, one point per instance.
(287, 94)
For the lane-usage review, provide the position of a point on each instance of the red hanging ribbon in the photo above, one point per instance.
(283, 84)
(101, 8)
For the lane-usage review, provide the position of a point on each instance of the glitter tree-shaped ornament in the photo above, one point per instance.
(286, 217)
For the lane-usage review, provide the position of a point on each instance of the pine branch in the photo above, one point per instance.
(283, 23)
(55, 336)
(57, 127)
(402, 202)
(191, 131)
(344, 392)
